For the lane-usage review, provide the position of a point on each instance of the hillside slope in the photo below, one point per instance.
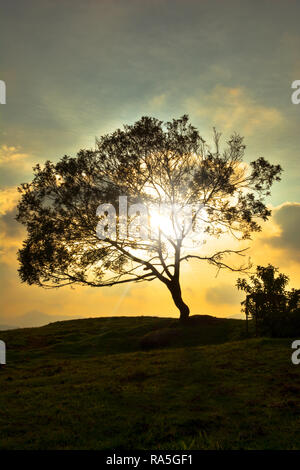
(86, 384)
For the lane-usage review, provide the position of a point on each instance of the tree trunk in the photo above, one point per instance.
(175, 290)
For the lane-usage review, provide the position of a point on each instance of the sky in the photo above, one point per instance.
(76, 70)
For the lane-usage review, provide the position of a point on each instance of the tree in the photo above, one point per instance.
(267, 301)
(264, 281)
(153, 164)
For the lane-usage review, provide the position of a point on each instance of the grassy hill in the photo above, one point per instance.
(97, 384)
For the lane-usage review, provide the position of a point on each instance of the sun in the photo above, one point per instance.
(161, 222)
(174, 223)
(170, 221)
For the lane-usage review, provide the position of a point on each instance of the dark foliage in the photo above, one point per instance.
(273, 309)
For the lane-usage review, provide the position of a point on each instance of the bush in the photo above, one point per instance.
(280, 324)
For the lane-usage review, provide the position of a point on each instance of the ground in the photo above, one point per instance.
(91, 384)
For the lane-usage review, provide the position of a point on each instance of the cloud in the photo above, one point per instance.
(9, 227)
(233, 109)
(158, 101)
(8, 199)
(287, 219)
(12, 155)
(223, 294)
(11, 231)
(15, 166)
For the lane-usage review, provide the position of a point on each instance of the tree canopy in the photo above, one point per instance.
(151, 163)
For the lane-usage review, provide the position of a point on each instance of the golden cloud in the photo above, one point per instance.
(233, 109)
(8, 199)
(12, 154)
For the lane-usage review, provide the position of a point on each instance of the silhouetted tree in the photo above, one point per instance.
(151, 163)
(268, 302)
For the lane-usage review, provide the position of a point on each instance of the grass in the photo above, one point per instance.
(86, 384)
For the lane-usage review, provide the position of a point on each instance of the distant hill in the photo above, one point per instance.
(7, 327)
(147, 383)
(34, 318)
(237, 316)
